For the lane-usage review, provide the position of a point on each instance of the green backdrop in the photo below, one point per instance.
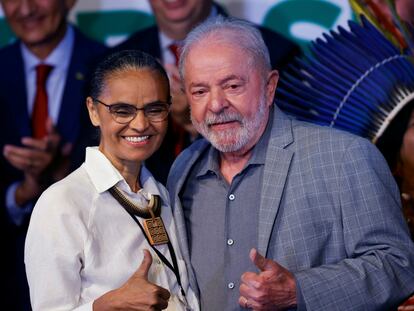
(280, 15)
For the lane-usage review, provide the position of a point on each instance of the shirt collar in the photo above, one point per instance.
(211, 164)
(59, 57)
(165, 41)
(104, 175)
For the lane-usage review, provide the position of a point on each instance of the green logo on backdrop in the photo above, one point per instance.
(103, 25)
(284, 15)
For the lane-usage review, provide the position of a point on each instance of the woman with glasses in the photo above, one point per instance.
(104, 237)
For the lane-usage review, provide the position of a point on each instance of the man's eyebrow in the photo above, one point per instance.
(232, 77)
(198, 84)
(222, 81)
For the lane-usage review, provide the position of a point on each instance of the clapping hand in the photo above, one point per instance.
(42, 162)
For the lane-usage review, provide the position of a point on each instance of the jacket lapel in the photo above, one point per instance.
(174, 185)
(276, 169)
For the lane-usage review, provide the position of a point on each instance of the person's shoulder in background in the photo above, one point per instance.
(145, 40)
(282, 50)
(90, 47)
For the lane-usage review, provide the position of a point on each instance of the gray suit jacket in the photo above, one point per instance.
(329, 212)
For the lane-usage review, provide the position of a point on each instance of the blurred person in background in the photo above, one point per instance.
(43, 137)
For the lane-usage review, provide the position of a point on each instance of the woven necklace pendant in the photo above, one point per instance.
(154, 227)
(155, 230)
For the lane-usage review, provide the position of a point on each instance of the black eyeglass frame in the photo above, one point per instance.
(144, 109)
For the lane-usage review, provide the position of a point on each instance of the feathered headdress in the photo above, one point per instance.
(355, 79)
(385, 18)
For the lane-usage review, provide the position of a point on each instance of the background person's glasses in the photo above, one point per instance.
(125, 113)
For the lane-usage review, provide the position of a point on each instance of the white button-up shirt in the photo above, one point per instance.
(81, 243)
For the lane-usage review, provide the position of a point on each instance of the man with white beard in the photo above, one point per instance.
(273, 213)
(174, 19)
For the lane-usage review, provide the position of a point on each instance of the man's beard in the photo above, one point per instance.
(231, 140)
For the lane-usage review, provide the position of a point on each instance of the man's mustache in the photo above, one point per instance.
(223, 117)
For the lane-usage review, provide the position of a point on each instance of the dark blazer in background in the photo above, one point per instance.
(282, 51)
(73, 125)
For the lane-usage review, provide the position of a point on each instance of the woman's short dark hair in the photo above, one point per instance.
(120, 61)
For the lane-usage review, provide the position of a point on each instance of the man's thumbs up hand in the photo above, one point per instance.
(261, 262)
(272, 288)
(137, 293)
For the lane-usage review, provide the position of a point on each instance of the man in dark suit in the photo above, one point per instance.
(174, 20)
(38, 151)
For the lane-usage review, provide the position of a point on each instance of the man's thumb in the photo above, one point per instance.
(259, 261)
(143, 269)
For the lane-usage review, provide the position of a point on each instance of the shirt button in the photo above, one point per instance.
(231, 197)
(230, 242)
(230, 285)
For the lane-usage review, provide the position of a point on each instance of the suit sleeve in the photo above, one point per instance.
(378, 271)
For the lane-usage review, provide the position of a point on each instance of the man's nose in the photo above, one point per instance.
(218, 100)
(26, 7)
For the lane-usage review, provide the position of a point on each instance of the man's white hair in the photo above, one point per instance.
(239, 33)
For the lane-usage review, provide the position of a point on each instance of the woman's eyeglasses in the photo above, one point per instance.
(125, 113)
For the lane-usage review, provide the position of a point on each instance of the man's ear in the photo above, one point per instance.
(93, 111)
(272, 80)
